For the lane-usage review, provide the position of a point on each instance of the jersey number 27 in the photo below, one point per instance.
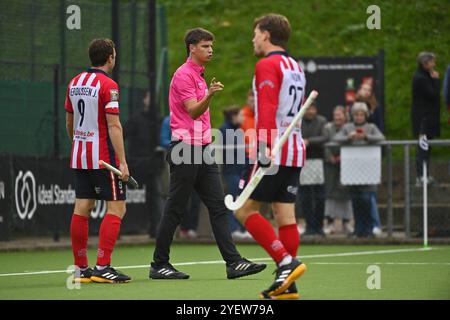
(293, 91)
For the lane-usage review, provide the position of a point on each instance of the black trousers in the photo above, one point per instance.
(421, 156)
(310, 200)
(205, 179)
(191, 216)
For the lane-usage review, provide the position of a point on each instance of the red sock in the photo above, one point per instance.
(263, 232)
(290, 238)
(79, 230)
(109, 231)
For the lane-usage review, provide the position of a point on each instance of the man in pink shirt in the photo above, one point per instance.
(189, 101)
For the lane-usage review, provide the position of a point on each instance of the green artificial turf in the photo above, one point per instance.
(404, 275)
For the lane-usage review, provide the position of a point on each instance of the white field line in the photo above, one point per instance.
(384, 263)
(327, 255)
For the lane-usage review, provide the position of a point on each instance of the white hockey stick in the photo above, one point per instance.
(234, 205)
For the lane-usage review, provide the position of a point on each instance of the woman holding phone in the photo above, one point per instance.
(360, 132)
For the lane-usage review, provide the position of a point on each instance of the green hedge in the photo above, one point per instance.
(335, 28)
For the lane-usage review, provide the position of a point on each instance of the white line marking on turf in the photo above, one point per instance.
(326, 255)
(384, 263)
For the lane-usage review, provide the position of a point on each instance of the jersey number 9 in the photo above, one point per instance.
(81, 107)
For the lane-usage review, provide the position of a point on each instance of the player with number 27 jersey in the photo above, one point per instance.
(91, 95)
(279, 87)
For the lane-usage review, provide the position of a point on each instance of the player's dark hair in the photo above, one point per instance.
(231, 111)
(196, 35)
(100, 50)
(278, 27)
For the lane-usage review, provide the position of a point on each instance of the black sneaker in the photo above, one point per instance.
(109, 275)
(82, 276)
(285, 276)
(166, 271)
(289, 294)
(243, 268)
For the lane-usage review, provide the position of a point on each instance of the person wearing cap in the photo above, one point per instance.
(360, 132)
(425, 111)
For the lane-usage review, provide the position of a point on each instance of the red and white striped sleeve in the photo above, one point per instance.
(110, 96)
(267, 85)
(68, 104)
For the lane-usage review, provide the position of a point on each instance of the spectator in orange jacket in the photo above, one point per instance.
(248, 123)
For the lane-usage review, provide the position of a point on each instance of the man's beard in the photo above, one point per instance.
(258, 53)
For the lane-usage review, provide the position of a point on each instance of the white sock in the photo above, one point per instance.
(100, 267)
(286, 260)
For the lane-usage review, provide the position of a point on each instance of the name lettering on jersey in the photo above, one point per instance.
(114, 94)
(296, 76)
(83, 91)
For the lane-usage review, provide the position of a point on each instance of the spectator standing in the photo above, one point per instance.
(360, 132)
(310, 198)
(139, 131)
(248, 123)
(232, 164)
(425, 107)
(366, 94)
(338, 201)
(165, 134)
(447, 90)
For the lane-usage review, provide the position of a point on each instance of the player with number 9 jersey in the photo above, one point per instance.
(94, 128)
(90, 96)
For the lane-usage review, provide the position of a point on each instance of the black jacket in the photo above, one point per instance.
(141, 130)
(314, 131)
(425, 103)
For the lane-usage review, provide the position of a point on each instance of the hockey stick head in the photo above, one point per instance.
(230, 204)
(131, 181)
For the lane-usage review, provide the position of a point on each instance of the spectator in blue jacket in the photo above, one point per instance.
(232, 168)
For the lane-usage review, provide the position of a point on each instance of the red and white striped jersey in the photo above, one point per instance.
(90, 96)
(279, 87)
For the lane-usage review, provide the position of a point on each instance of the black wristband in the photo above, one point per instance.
(263, 160)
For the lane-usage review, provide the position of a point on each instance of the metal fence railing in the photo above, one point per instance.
(384, 193)
(379, 197)
(404, 194)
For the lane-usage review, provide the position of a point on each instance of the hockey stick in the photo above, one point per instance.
(131, 181)
(234, 205)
